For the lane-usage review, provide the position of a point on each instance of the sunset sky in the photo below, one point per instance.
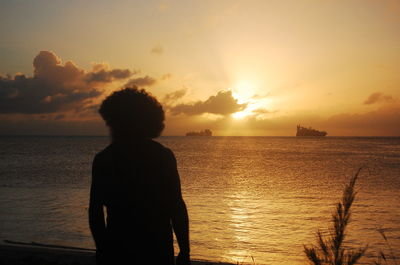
(235, 67)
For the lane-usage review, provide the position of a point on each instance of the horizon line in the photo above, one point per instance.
(294, 136)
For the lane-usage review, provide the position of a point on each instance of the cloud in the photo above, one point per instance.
(384, 122)
(54, 86)
(158, 49)
(166, 76)
(108, 76)
(257, 96)
(263, 111)
(171, 97)
(223, 103)
(141, 81)
(50, 125)
(381, 122)
(59, 117)
(378, 97)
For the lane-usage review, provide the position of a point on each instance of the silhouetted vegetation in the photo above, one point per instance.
(385, 258)
(330, 248)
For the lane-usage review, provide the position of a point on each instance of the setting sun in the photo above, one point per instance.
(243, 91)
(255, 105)
(241, 114)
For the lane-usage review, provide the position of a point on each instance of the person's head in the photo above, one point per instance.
(132, 113)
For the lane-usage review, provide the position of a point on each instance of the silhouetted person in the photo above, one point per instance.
(137, 181)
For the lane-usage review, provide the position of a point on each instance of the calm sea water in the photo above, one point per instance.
(248, 198)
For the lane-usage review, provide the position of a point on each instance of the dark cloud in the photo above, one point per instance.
(223, 103)
(59, 117)
(158, 49)
(382, 122)
(108, 76)
(171, 97)
(141, 82)
(54, 86)
(51, 126)
(378, 98)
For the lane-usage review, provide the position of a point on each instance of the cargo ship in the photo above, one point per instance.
(303, 131)
(206, 132)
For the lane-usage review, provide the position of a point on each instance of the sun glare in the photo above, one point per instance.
(243, 92)
(241, 114)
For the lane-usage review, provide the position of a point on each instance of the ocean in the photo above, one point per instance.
(249, 198)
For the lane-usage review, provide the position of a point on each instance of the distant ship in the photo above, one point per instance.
(206, 132)
(303, 131)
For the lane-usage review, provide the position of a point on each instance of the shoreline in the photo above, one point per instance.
(30, 254)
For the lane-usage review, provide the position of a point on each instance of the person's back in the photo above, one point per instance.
(136, 179)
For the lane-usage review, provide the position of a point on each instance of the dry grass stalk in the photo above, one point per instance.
(329, 249)
(382, 258)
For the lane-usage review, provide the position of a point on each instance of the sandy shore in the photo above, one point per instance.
(19, 254)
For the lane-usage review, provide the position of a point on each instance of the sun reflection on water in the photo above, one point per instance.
(248, 197)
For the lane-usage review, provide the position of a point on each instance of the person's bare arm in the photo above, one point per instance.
(96, 213)
(180, 223)
(179, 218)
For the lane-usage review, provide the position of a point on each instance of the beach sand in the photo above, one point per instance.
(25, 254)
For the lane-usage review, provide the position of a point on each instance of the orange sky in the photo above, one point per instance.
(236, 67)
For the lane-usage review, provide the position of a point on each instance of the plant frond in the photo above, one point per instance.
(312, 255)
(330, 250)
(353, 257)
(323, 245)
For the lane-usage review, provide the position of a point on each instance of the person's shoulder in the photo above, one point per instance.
(156, 145)
(104, 154)
(163, 150)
